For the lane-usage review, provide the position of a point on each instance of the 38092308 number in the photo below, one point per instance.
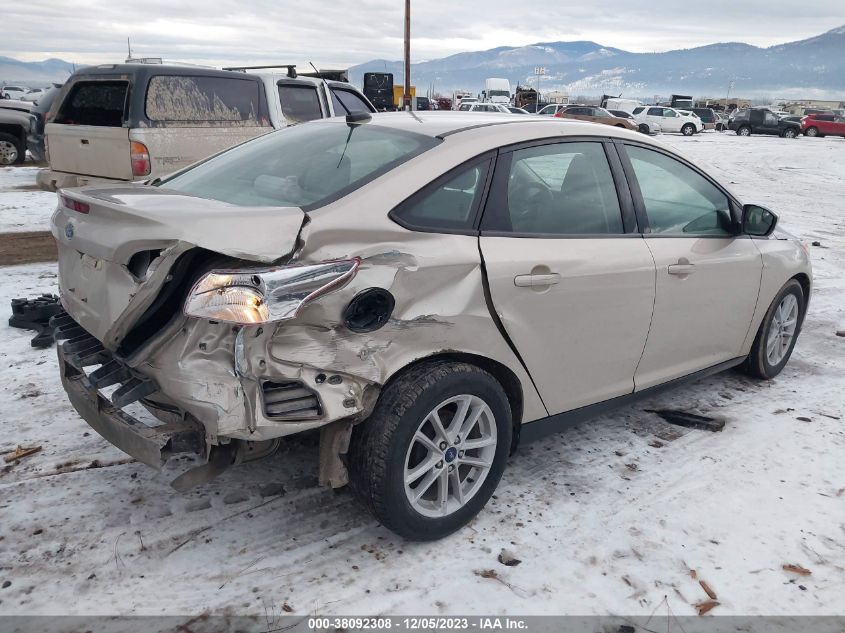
(354, 624)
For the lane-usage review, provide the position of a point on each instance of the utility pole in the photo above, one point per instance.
(407, 96)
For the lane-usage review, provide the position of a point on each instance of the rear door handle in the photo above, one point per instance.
(681, 269)
(528, 281)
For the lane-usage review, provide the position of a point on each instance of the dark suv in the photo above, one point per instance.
(762, 121)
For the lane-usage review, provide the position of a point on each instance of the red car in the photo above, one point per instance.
(823, 125)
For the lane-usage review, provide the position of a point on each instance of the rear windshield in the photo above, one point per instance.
(99, 103)
(200, 99)
(304, 166)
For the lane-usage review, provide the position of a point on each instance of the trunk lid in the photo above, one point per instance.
(106, 290)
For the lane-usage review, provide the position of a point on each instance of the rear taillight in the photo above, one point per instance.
(75, 205)
(140, 159)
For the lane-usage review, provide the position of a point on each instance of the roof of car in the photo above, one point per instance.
(445, 123)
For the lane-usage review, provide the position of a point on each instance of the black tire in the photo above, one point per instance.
(688, 129)
(379, 445)
(757, 364)
(811, 131)
(790, 133)
(743, 130)
(643, 128)
(19, 147)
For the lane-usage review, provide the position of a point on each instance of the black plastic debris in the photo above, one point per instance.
(34, 314)
(689, 420)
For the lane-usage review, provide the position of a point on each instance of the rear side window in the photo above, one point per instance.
(199, 99)
(555, 189)
(98, 103)
(449, 204)
(655, 111)
(300, 103)
(347, 102)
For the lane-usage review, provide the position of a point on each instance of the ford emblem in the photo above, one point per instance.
(69, 231)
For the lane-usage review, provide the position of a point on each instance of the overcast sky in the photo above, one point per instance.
(345, 32)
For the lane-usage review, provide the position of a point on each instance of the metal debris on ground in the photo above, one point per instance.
(689, 420)
(34, 314)
(20, 452)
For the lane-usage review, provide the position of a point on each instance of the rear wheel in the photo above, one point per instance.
(778, 333)
(12, 151)
(743, 131)
(433, 451)
(688, 129)
(811, 131)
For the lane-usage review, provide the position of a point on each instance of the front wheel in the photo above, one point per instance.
(744, 131)
(790, 133)
(12, 151)
(433, 451)
(688, 129)
(778, 333)
(643, 128)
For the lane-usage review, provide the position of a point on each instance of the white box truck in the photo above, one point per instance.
(497, 90)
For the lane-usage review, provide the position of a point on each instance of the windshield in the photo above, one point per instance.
(499, 93)
(306, 166)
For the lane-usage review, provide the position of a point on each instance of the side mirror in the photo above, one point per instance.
(758, 221)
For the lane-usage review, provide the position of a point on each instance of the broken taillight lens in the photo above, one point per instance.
(252, 296)
(139, 156)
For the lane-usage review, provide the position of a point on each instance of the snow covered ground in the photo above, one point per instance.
(23, 207)
(607, 518)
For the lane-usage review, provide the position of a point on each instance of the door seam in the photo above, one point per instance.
(488, 299)
(651, 320)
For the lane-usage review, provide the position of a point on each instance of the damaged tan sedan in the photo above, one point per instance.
(426, 289)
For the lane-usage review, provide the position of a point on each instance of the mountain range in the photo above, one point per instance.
(810, 68)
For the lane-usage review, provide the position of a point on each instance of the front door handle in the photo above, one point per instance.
(529, 281)
(681, 269)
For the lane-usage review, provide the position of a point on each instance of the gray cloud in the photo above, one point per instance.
(344, 32)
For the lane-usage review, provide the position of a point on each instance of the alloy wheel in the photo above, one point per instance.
(450, 455)
(782, 329)
(8, 153)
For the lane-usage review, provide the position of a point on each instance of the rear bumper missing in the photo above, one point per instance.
(152, 445)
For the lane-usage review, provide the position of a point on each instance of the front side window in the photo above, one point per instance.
(347, 102)
(556, 189)
(450, 204)
(465, 107)
(300, 103)
(678, 200)
(195, 99)
(97, 103)
(670, 113)
(770, 119)
(300, 166)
